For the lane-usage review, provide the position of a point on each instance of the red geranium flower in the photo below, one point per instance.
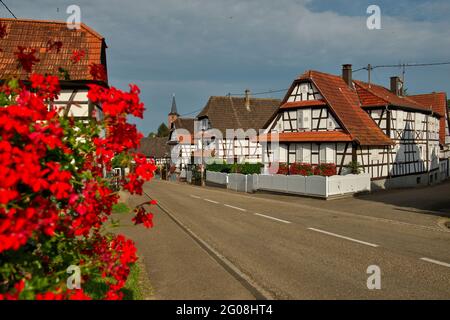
(77, 55)
(98, 72)
(26, 58)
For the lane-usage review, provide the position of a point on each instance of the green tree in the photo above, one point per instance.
(163, 131)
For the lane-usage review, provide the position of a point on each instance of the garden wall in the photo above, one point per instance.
(315, 186)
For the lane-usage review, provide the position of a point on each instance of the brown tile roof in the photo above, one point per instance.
(155, 147)
(231, 113)
(345, 105)
(37, 33)
(438, 103)
(310, 136)
(375, 95)
(184, 123)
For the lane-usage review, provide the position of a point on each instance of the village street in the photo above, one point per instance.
(211, 243)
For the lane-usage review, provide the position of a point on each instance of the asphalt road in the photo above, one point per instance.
(296, 248)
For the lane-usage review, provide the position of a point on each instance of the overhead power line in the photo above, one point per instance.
(369, 68)
(195, 111)
(8, 9)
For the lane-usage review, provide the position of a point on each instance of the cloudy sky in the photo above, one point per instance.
(199, 48)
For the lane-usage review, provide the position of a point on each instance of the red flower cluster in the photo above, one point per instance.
(98, 72)
(303, 169)
(46, 86)
(325, 169)
(26, 58)
(53, 186)
(77, 55)
(115, 257)
(306, 169)
(283, 168)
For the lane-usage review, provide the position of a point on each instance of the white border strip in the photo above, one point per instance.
(444, 264)
(346, 238)
(272, 218)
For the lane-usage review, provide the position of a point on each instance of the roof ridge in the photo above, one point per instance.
(406, 98)
(234, 97)
(82, 24)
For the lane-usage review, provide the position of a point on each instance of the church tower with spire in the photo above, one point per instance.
(173, 115)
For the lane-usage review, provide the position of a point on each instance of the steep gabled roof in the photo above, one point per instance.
(36, 34)
(437, 101)
(344, 103)
(155, 147)
(184, 123)
(375, 95)
(231, 113)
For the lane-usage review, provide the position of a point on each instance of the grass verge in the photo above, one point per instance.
(120, 208)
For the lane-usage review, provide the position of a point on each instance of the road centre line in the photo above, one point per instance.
(343, 237)
(236, 208)
(436, 262)
(195, 197)
(272, 218)
(212, 201)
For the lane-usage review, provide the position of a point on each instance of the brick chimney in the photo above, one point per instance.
(247, 99)
(396, 86)
(347, 74)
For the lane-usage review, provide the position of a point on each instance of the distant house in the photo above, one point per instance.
(55, 45)
(156, 148)
(222, 114)
(399, 140)
(181, 138)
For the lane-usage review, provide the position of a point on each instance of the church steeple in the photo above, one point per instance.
(174, 106)
(173, 115)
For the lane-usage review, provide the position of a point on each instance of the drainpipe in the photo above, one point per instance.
(388, 133)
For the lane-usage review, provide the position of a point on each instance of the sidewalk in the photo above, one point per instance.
(170, 255)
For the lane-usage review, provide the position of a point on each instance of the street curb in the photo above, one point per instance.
(256, 290)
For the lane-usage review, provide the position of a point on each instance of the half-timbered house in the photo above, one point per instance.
(326, 118)
(55, 44)
(228, 128)
(156, 149)
(181, 138)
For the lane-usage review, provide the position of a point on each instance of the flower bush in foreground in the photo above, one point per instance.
(55, 202)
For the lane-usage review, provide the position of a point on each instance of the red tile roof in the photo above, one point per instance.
(310, 136)
(345, 104)
(37, 34)
(375, 95)
(303, 104)
(437, 101)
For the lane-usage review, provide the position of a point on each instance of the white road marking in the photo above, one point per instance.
(233, 207)
(272, 218)
(436, 262)
(343, 237)
(192, 196)
(212, 201)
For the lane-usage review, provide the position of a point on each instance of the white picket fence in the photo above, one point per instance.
(316, 186)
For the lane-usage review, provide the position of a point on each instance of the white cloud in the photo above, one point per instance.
(175, 45)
